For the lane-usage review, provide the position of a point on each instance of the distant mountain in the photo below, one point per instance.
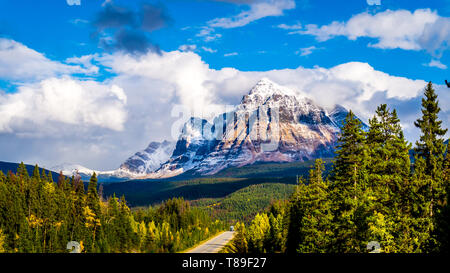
(253, 132)
(338, 115)
(139, 165)
(5, 167)
(69, 169)
(148, 160)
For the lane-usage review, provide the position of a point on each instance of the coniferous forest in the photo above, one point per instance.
(377, 191)
(38, 215)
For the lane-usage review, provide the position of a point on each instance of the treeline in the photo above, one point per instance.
(373, 194)
(38, 215)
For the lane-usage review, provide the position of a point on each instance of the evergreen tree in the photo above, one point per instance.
(389, 175)
(429, 162)
(431, 145)
(50, 176)
(278, 227)
(349, 181)
(36, 172)
(92, 195)
(314, 227)
(22, 170)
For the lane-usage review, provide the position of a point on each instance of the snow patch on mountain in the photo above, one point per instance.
(70, 169)
(148, 160)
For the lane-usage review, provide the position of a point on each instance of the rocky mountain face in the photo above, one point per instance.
(271, 124)
(148, 160)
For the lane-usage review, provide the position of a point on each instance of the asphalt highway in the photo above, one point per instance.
(215, 244)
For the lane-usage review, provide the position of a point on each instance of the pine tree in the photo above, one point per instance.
(278, 226)
(428, 170)
(50, 177)
(348, 183)
(22, 170)
(36, 174)
(314, 228)
(389, 174)
(431, 145)
(93, 204)
(92, 195)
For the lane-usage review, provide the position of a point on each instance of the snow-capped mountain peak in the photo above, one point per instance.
(69, 169)
(302, 131)
(263, 91)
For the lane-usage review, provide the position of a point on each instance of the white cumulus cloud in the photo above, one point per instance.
(421, 29)
(18, 62)
(40, 107)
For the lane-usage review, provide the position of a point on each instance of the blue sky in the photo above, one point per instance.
(99, 77)
(61, 31)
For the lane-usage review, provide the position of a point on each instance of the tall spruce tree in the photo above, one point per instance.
(431, 145)
(93, 203)
(93, 200)
(36, 174)
(428, 170)
(348, 186)
(389, 173)
(314, 227)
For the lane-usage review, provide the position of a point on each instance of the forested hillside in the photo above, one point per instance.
(245, 203)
